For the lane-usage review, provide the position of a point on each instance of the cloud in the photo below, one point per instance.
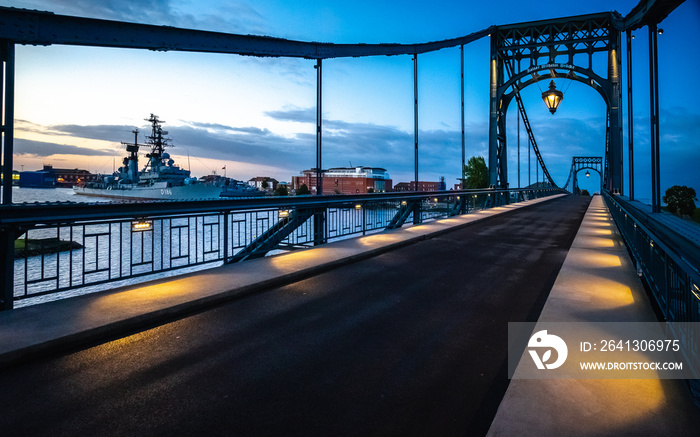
(298, 115)
(392, 148)
(44, 149)
(343, 142)
(238, 17)
(247, 144)
(678, 147)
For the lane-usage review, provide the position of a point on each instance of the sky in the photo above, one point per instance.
(256, 116)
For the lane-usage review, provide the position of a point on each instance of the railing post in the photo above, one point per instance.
(7, 265)
(319, 227)
(364, 220)
(226, 245)
(417, 219)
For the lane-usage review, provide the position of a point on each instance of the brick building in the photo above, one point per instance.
(422, 186)
(346, 180)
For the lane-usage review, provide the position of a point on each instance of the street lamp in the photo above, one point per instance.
(552, 97)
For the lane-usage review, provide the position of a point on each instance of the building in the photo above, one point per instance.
(422, 186)
(38, 179)
(15, 176)
(264, 183)
(50, 177)
(346, 180)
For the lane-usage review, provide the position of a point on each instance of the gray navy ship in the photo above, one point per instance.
(161, 178)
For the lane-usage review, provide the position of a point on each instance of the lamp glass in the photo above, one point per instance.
(552, 97)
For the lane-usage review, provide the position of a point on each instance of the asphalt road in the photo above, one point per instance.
(411, 342)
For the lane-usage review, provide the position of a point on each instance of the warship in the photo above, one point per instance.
(161, 178)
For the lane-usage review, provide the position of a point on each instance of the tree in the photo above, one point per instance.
(304, 189)
(584, 193)
(680, 200)
(476, 172)
(281, 190)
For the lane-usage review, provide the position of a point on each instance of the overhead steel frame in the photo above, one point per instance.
(579, 163)
(550, 41)
(648, 13)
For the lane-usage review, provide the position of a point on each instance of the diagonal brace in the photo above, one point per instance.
(402, 215)
(271, 238)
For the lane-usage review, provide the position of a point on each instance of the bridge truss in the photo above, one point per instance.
(526, 53)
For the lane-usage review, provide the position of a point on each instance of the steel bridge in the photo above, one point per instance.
(79, 247)
(521, 55)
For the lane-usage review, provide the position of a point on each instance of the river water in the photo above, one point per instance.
(192, 239)
(32, 267)
(32, 195)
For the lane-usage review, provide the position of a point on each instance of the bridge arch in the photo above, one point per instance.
(575, 73)
(575, 188)
(580, 163)
(553, 39)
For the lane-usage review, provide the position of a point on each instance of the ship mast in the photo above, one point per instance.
(131, 162)
(156, 140)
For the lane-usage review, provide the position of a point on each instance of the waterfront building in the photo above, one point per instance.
(264, 183)
(422, 186)
(15, 176)
(346, 180)
(50, 177)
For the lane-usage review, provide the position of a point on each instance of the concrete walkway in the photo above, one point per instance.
(588, 289)
(26, 333)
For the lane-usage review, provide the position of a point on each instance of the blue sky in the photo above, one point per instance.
(74, 105)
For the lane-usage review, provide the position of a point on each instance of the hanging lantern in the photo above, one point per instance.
(588, 174)
(552, 97)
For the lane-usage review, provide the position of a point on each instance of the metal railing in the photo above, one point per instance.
(673, 277)
(66, 249)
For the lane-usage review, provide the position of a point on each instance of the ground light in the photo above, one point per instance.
(141, 225)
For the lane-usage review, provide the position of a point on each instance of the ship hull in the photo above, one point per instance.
(184, 192)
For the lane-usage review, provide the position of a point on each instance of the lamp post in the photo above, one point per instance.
(552, 97)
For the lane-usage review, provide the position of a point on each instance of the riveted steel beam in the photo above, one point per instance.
(649, 12)
(24, 26)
